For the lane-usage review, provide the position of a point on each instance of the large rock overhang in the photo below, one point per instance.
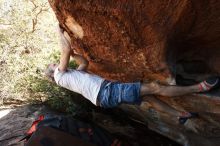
(129, 40)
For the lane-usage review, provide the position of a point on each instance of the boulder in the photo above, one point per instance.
(14, 122)
(147, 40)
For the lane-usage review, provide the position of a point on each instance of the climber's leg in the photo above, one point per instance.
(157, 89)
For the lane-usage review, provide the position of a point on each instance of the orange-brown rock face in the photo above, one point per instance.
(131, 40)
(135, 40)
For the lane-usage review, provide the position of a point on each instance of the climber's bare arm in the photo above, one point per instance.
(65, 53)
(81, 61)
(64, 60)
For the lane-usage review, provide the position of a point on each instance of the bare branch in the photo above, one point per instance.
(43, 8)
(35, 20)
(35, 6)
(34, 23)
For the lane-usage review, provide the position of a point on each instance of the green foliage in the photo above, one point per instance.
(72, 64)
(28, 43)
(57, 97)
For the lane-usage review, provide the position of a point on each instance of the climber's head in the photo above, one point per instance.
(50, 70)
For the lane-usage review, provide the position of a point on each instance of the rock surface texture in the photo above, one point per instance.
(129, 40)
(15, 122)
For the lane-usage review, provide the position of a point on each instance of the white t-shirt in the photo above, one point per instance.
(81, 82)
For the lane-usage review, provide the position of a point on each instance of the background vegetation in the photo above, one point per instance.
(28, 42)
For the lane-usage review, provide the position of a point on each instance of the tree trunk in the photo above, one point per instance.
(130, 40)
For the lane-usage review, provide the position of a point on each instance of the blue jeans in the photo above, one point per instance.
(112, 94)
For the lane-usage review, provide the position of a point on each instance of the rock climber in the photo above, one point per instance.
(108, 94)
